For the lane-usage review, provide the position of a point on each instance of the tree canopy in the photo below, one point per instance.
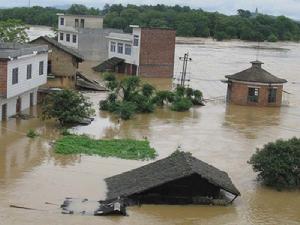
(13, 31)
(245, 25)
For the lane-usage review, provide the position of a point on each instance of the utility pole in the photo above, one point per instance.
(29, 5)
(185, 60)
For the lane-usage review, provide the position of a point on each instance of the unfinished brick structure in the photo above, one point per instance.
(255, 87)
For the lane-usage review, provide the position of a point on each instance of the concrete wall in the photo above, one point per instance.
(93, 44)
(157, 52)
(128, 58)
(238, 94)
(12, 102)
(89, 22)
(62, 63)
(70, 43)
(25, 84)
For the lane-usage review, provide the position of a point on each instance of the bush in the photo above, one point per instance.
(125, 110)
(278, 163)
(272, 38)
(31, 133)
(181, 104)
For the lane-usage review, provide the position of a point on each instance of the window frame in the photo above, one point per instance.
(76, 23)
(29, 72)
(272, 98)
(128, 47)
(41, 68)
(120, 46)
(253, 94)
(62, 21)
(82, 23)
(68, 37)
(113, 45)
(136, 40)
(15, 75)
(74, 37)
(61, 36)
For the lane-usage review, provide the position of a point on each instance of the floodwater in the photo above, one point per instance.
(222, 135)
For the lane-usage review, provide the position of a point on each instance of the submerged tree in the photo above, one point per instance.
(278, 163)
(66, 106)
(13, 31)
(130, 96)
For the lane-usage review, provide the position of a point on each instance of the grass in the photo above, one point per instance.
(120, 148)
(32, 133)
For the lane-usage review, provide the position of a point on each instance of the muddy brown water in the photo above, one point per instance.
(222, 135)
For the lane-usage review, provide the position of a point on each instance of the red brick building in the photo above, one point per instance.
(147, 52)
(255, 86)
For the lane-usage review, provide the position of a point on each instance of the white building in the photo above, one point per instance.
(84, 33)
(23, 68)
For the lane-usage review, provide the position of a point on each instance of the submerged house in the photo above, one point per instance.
(147, 52)
(177, 179)
(23, 68)
(255, 87)
(62, 61)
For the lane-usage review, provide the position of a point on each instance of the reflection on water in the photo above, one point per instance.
(222, 135)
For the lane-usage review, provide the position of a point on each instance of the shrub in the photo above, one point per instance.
(278, 163)
(125, 110)
(31, 133)
(272, 38)
(147, 90)
(181, 104)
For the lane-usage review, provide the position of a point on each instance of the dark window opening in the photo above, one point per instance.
(62, 21)
(120, 48)
(61, 36)
(272, 95)
(49, 67)
(74, 38)
(127, 49)
(82, 23)
(68, 38)
(76, 23)
(31, 99)
(253, 94)
(29, 71)
(15, 75)
(4, 111)
(41, 68)
(136, 40)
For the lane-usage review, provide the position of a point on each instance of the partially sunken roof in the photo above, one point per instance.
(176, 166)
(256, 74)
(13, 50)
(60, 46)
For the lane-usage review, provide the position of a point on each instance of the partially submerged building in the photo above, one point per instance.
(255, 87)
(147, 52)
(62, 61)
(177, 179)
(84, 33)
(23, 68)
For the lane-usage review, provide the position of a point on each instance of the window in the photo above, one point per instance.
(29, 71)
(76, 23)
(74, 38)
(61, 36)
(136, 40)
(82, 23)
(68, 38)
(272, 95)
(15, 75)
(113, 46)
(41, 68)
(62, 21)
(253, 94)
(120, 48)
(127, 49)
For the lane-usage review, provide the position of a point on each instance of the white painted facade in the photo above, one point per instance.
(126, 39)
(25, 89)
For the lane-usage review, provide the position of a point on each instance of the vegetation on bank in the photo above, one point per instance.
(121, 148)
(31, 133)
(67, 107)
(278, 163)
(187, 22)
(130, 96)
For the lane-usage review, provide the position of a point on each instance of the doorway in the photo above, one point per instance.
(31, 99)
(4, 112)
(18, 105)
(49, 67)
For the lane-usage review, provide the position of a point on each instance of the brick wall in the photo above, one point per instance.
(238, 94)
(3, 77)
(157, 50)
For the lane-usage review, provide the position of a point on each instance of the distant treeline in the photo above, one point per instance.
(187, 22)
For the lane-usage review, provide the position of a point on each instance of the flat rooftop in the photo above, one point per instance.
(74, 15)
(12, 50)
(120, 36)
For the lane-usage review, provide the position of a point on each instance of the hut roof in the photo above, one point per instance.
(60, 46)
(256, 74)
(176, 166)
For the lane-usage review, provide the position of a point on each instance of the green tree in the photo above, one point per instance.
(278, 163)
(13, 31)
(66, 106)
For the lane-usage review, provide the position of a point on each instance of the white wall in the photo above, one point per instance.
(70, 43)
(23, 84)
(89, 22)
(136, 49)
